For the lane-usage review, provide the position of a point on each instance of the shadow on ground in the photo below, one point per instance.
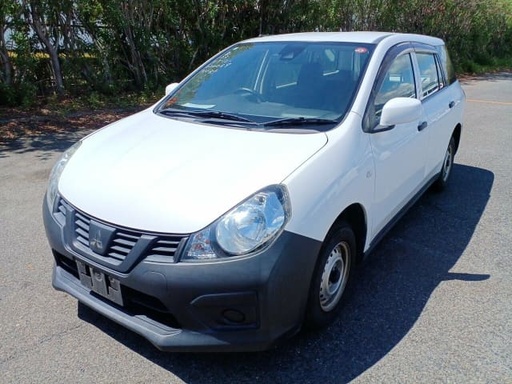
(389, 294)
(46, 144)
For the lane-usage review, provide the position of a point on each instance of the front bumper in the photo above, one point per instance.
(229, 305)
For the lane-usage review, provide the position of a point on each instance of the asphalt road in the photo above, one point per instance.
(432, 304)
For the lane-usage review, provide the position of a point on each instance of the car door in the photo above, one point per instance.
(438, 101)
(399, 152)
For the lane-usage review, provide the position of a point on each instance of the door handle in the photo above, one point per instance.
(452, 104)
(422, 126)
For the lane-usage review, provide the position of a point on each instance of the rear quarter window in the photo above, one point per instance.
(446, 64)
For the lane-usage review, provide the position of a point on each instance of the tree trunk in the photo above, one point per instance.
(6, 64)
(36, 21)
(5, 59)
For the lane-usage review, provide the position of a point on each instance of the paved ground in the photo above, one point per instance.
(433, 303)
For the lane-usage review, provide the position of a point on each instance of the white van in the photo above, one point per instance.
(232, 213)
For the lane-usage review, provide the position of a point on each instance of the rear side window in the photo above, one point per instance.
(430, 74)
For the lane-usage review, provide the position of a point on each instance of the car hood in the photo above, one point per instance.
(158, 174)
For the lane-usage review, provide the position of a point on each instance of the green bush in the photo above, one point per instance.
(24, 94)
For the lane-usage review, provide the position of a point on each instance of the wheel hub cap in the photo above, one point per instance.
(334, 277)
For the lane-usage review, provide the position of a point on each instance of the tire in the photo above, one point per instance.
(446, 170)
(332, 274)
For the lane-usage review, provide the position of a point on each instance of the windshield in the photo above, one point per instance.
(299, 84)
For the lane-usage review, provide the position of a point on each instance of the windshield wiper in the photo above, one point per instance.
(207, 114)
(221, 115)
(294, 121)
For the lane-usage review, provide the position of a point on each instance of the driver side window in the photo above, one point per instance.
(398, 81)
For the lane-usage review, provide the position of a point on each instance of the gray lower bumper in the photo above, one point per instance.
(267, 291)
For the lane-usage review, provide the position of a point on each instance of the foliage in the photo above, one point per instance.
(102, 48)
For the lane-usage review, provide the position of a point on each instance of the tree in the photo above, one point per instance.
(7, 13)
(43, 18)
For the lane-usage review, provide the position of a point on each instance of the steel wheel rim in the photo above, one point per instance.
(447, 164)
(334, 276)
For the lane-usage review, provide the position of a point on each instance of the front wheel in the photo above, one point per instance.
(331, 276)
(446, 169)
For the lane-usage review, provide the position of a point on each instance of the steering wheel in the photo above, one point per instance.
(250, 93)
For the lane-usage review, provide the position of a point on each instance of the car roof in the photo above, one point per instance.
(363, 37)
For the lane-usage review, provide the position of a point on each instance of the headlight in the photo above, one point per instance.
(249, 227)
(53, 182)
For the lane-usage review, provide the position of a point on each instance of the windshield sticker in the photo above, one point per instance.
(199, 106)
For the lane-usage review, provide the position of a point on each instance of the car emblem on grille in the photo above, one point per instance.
(96, 243)
(100, 237)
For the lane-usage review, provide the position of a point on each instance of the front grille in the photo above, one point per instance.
(60, 214)
(63, 207)
(164, 247)
(124, 242)
(82, 229)
(120, 246)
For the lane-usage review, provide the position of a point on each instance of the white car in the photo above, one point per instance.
(232, 213)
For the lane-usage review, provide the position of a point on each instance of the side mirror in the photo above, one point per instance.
(170, 88)
(400, 110)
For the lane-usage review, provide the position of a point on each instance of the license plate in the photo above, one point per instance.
(100, 283)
